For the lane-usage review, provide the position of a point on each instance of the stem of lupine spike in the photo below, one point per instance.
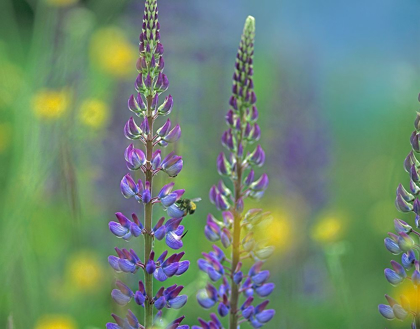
(234, 297)
(148, 210)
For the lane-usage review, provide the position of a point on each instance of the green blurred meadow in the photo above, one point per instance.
(337, 86)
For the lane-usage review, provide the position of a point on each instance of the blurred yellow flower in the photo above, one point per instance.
(407, 289)
(279, 231)
(5, 136)
(112, 53)
(84, 271)
(328, 228)
(55, 322)
(61, 3)
(94, 113)
(50, 104)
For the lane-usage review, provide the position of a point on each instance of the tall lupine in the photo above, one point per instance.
(150, 83)
(406, 241)
(236, 228)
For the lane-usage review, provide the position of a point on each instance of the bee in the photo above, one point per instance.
(187, 205)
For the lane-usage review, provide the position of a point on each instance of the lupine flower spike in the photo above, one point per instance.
(229, 280)
(405, 241)
(151, 82)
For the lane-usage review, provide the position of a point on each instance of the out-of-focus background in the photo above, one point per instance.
(337, 86)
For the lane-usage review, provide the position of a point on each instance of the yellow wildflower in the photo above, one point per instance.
(61, 3)
(84, 271)
(111, 52)
(50, 104)
(94, 113)
(328, 229)
(5, 136)
(55, 322)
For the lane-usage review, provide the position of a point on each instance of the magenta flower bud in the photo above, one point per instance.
(261, 184)
(133, 106)
(148, 80)
(230, 118)
(156, 159)
(240, 205)
(155, 102)
(221, 202)
(165, 84)
(162, 131)
(135, 158)
(247, 131)
(173, 135)
(153, 62)
(240, 150)
(227, 140)
(139, 85)
(253, 98)
(167, 105)
(159, 81)
(414, 140)
(233, 103)
(402, 205)
(141, 103)
(258, 156)
(159, 49)
(213, 194)
(414, 174)
(414, 188)
(145, 126)
(131, 130)
(250, 178)
(254, 114)
(128, 187)
(256, 132)
(222, 165)
(161, 64)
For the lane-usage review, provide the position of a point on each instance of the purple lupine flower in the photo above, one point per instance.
(235, 228)
(405, 241)
(149, 84)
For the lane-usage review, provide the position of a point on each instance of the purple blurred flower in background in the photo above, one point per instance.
(150, 83)
(236, 228)
(406, 241)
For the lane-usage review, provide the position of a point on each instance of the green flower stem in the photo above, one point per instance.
(148, 211)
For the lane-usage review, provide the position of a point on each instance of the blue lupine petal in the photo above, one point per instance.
(135, 229)
(386, 311)
(175, 212)
(112, 326)
(117, 229)
(139, 298)
(392, 277)
(392, 246)
(265, 289)
(114, 262)
(160, 302)
(171, 269)
(265, 316)
(119, 297)
(260, 277)
(178, 302)
(126, 265)
(213, 274)
(173, 241)
(256, 324)
(248, 312)
(160, 233)
(169, 200)
(183, 267)
(223, 310)
(160, 275)
(205, 302)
